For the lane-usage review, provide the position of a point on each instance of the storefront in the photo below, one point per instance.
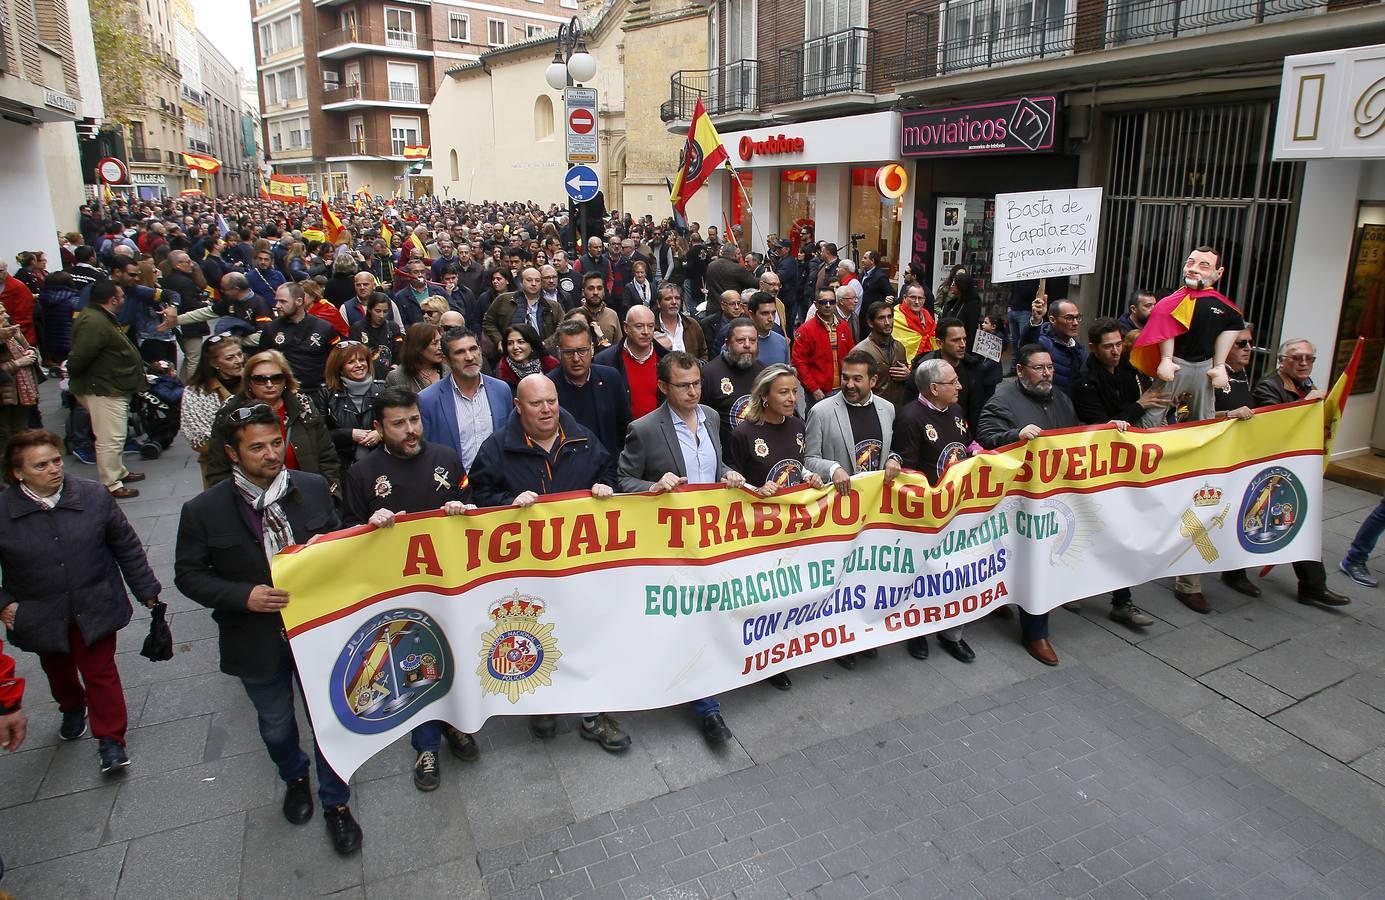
(1332, 116)
(817, 178)
(964, 156)
(149, 186)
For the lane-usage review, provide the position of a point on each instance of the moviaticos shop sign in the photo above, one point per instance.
(1020, 125)
(644, 602)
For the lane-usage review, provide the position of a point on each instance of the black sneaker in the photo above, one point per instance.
(606, 732)
(74, 724)
(847, 662)
(1358, 573)
(715, 730)
(112, 756)
(298, 801)
(343, 831)
(462, 745)
(543, 727)
(779, 682)
(426, 777)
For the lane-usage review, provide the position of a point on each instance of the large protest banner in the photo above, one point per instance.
(638, 602)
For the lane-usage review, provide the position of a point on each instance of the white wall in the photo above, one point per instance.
(1332, 190)
(24, 185)
(63, 162)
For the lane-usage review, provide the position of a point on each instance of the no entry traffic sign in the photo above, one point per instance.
(581, 129)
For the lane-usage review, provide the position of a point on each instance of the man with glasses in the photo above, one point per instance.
(1059, 336)
(674, 445)
(1020, 411)
(931, 434)
(594, 394)
(820, 346)
(226, 538)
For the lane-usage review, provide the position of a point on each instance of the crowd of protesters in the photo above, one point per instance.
(468, 355)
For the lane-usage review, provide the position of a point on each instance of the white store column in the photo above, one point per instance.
(765, 205)
(834, 205)
(24, 185)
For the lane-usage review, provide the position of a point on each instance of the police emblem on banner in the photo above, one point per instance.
(395, 664)
(520, 654)
(1272, 510)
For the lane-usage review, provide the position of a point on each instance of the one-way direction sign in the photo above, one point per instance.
(581, 183)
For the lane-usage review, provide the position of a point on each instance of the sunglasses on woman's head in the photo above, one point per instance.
(245, 413)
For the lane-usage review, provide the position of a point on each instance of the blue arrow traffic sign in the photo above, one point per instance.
(581, 183)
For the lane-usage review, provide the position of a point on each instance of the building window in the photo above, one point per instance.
(543, 118)
(459, 28)
(404, 132)
(568, 4)
(532, 31)
(452, 164)
(399, 29)
(495, 32)
(403, 80)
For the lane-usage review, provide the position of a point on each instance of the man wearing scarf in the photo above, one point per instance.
(261, 510)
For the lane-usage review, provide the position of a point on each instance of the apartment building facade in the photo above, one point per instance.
(221, 92)
(1169, 107)
(155, 135)
(345, 85)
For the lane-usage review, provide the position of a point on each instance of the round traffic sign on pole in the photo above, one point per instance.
(581, 121)
(112, 170)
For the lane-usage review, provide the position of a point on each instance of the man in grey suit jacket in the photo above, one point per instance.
(843, 439)
(676, 444)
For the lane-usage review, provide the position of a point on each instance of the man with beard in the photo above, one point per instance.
(727, 380)
(849, 433)
(1188, 337)
(1137, 315)
(1059, 336)
(602, 316)
(1021, 410)
(407, 474)
(889, 362)
(675, 331)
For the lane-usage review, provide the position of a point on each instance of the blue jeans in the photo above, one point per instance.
(707, 706)
(1367, 535)
(1019, 320)
(426, 738)
(1032, 627)
(273, 700)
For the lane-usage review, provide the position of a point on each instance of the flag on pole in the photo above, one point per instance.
(331, 225)
(680, 221)
(264, 191)
(202, 162)
(385, 233)
(419, 151)
(1334, 405)
(288, 188)
(222, 228)
(702, 155)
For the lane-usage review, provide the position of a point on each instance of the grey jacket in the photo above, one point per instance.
(1010, 409)
(829, 442)
(651, 449)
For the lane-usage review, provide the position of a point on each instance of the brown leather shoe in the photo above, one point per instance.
(124, 493)
(1042, 650)
(1194, 601)
(134, 476)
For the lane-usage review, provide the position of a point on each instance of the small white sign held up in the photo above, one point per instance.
(1045, 234)
(988, 345)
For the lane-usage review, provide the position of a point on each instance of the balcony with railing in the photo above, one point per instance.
(725, 91)
(147, 155)
(342, 97)
(373, 147)
(838, 66)
(948, 37)
(363, 38)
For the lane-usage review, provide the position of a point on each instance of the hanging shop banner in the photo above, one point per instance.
(639, 602)
(1045, 234)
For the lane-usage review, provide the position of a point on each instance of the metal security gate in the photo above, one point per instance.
(1200, 175)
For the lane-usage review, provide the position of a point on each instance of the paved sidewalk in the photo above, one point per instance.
(1292, 695)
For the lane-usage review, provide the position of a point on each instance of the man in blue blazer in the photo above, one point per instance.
(465, 407)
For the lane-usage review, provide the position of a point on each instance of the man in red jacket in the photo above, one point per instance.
(12, 722)
(820, 346)
(19, 303)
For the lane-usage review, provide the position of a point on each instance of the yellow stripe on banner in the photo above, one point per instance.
(577, 533)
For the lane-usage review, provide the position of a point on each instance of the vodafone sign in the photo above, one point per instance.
(775, 144)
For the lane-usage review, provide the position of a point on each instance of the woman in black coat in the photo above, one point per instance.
(64, 548)
(348, 396)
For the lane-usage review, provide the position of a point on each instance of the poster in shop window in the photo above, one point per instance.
(1363, 309)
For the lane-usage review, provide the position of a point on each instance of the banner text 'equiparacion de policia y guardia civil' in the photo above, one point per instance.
(577, 605)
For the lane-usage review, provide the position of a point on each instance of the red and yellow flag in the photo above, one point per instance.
(385, 233)
(288, 188)
(201, 161)
(917, 331)
(420, 252)
(419, 151)
(331, 225)
(1169, 318)
(1334, 405)
(702, 155)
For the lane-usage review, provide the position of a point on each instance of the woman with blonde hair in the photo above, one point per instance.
(767, 447)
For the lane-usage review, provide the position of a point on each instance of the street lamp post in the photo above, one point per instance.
(571, 65)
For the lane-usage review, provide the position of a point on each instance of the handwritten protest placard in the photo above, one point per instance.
(1042, 234)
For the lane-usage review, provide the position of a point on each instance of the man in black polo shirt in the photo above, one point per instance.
(407, 474)
(727, 379)
(303, 338)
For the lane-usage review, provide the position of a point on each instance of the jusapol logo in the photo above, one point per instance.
(395, 664)
(1272, 510)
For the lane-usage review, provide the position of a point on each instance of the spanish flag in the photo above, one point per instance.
(419, 251)
(416, 152)
(288, 188)
(917, 331)
(209, 164)
(1334, 405)
(702, 155)
(385, 233)
(1169, 319)
(331, 225)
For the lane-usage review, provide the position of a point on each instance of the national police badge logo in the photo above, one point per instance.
(520, 654)
(931, 432)
(761, 448)
(727, 387)
(279, 338)
(383, 488)
(393, 666)
(1272, 510)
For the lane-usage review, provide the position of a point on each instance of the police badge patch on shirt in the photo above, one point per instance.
(279, 338)
(442, 481)
(761, 448)
(315, 339)
(961, 424)
(383, 488)
(866, 456)
(727, 387)
(931, 432)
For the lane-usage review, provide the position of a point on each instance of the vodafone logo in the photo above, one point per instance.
(772, 145)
